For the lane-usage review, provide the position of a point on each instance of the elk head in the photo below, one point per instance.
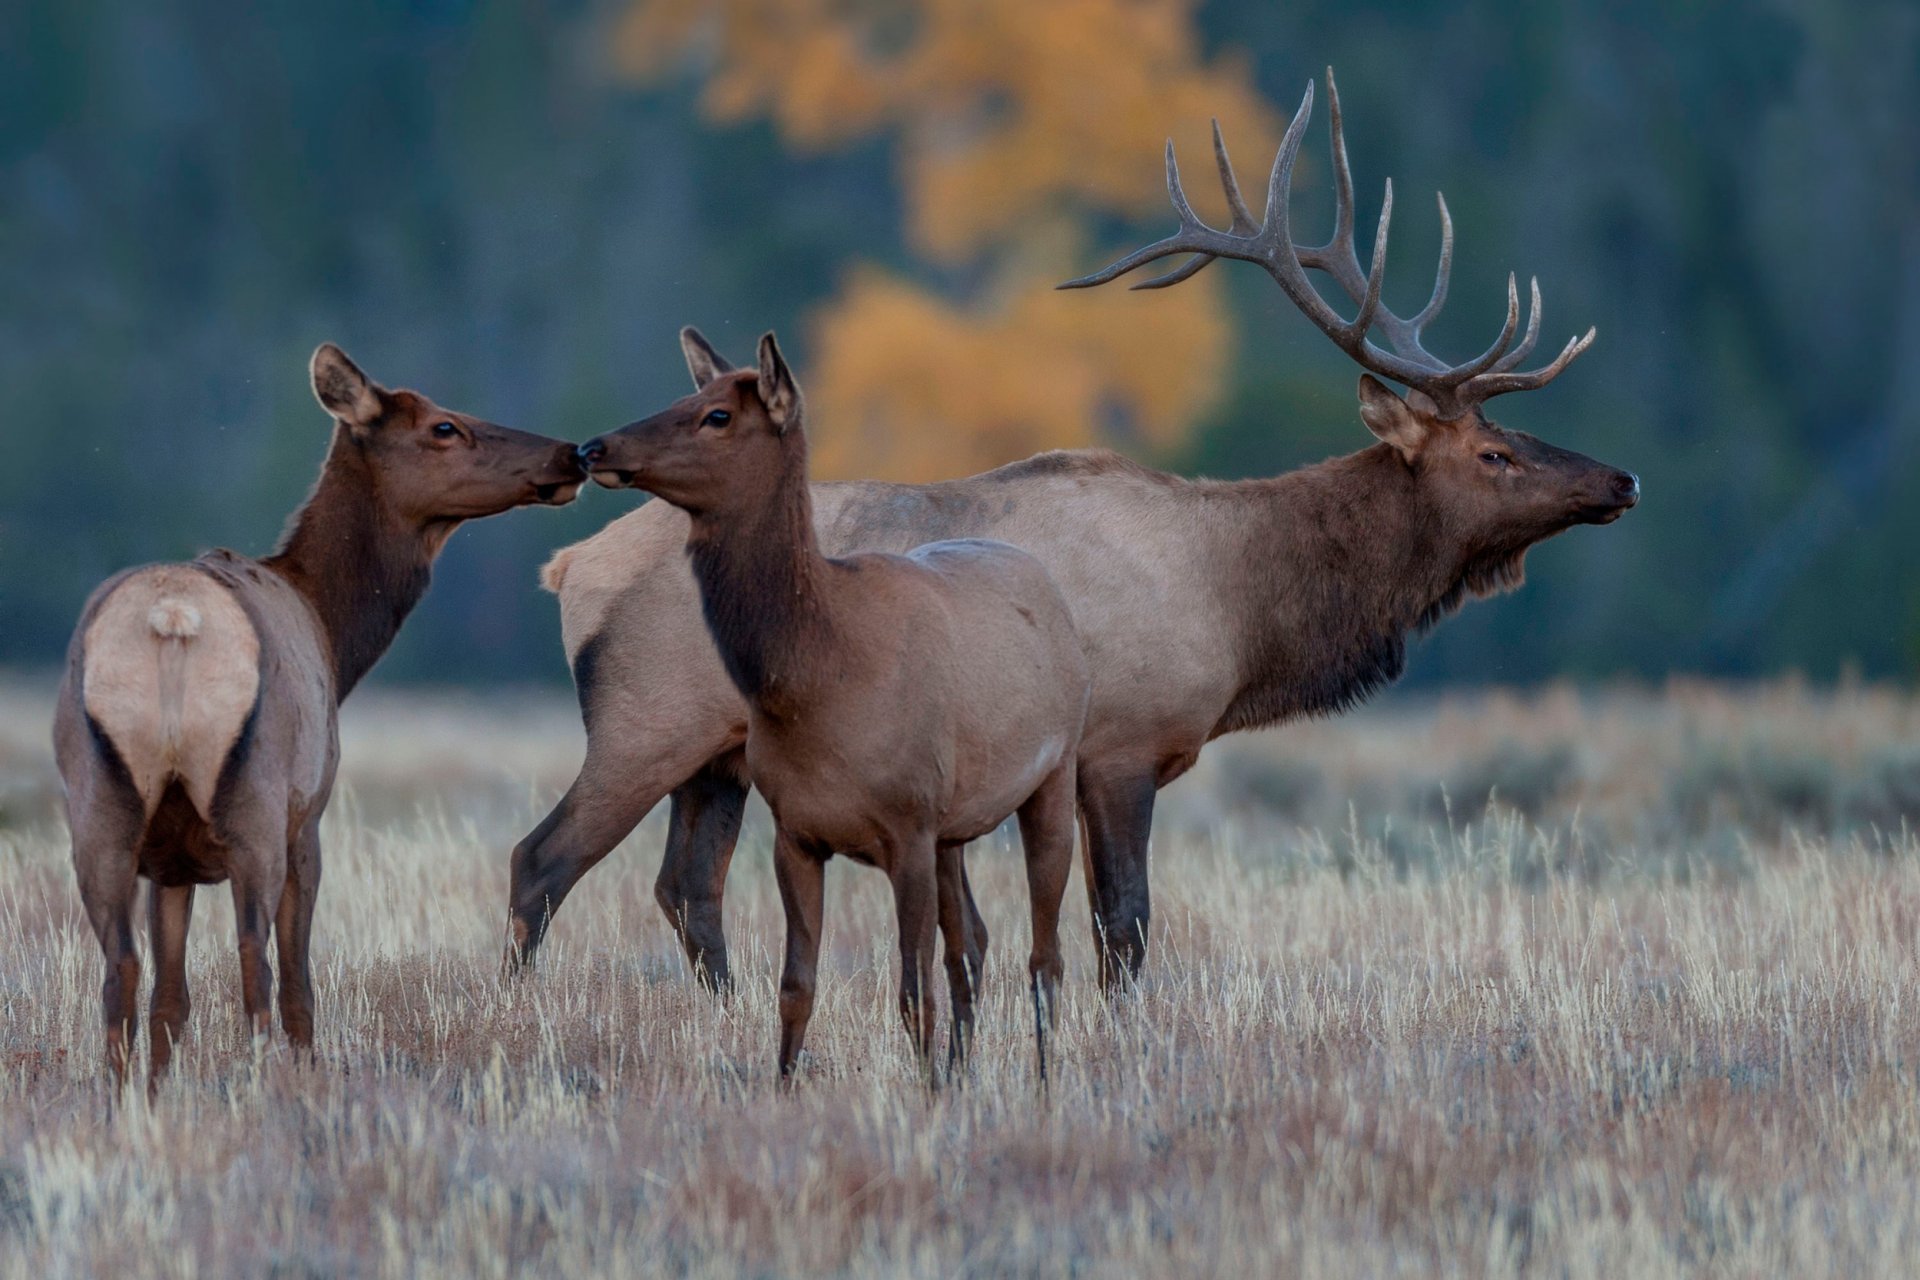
(433, 466)
(1496, 491)
(726, 445)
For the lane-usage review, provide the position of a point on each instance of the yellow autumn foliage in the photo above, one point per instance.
(1012, 119)
(805, 63)
(906, 386)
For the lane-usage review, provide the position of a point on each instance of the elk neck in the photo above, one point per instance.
(362, 568)
(762, 584)
(1333, 565)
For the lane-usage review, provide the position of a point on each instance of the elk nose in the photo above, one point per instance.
(1627, 485)
(591, 453)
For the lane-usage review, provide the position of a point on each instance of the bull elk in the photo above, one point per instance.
(899, 705)
(1206, 607)
(197, 725)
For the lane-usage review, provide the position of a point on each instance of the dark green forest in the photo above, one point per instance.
(474, 199)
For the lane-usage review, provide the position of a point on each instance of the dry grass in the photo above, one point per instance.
(1655, 1013)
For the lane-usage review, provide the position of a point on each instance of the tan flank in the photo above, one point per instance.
(1206, 607)
(899, 705)
(196, 728)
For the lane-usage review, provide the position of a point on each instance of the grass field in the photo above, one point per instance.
(1560, 984)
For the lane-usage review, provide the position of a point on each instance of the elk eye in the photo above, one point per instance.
(718, 418)
(1494, 458)
(445, 431)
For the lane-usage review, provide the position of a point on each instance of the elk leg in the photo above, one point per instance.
(169, 915)
(1118, 810)
(955, 931)
(702, 833)
(802, 880)
(976, 930)
(1046, 837)
(104, 839)
(911, 865)
(258, 868)
(293, 931)
(603, 805)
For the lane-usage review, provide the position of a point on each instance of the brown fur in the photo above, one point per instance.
(1206, 607)
(899, 706)
(196, 728)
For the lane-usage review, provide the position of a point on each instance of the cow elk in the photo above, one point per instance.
(1205, 607)
(899, 705)
(196, 729)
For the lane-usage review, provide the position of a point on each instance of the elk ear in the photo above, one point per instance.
(703, 362)
(778, 391)
(1422, 403)
(1394, 420)
(342, 390)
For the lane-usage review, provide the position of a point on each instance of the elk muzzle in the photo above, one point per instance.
(594, 457)
(1620, 492)
(560, 483)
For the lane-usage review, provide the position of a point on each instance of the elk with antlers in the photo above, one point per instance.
(197, 730)
(901, 705)
(1205, 607)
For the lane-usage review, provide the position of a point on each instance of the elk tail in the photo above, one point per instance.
(175, 623)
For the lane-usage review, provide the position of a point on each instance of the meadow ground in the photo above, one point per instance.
(1563, 984)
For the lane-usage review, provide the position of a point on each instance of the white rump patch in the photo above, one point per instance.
(170, 675)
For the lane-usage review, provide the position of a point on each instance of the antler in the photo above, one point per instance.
(1455, 389)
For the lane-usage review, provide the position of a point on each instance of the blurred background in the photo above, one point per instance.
(513, 206)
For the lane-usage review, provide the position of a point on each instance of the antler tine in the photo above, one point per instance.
(1460, 374)
(1280, 182)
(1488, 385)
(1243, 222)
(1340, 258)
(1441, 274)
(1286, 262)
(1195, 236)
(1181, 241)
(1370, 304)
(1178, 193)
(1527, 339)
(1342, 171)
(1245, 239)
(1185, 271)
(1150, 253)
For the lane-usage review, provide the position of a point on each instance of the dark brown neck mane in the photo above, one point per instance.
(360, 567)
(759, 566)
(1334, 564)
